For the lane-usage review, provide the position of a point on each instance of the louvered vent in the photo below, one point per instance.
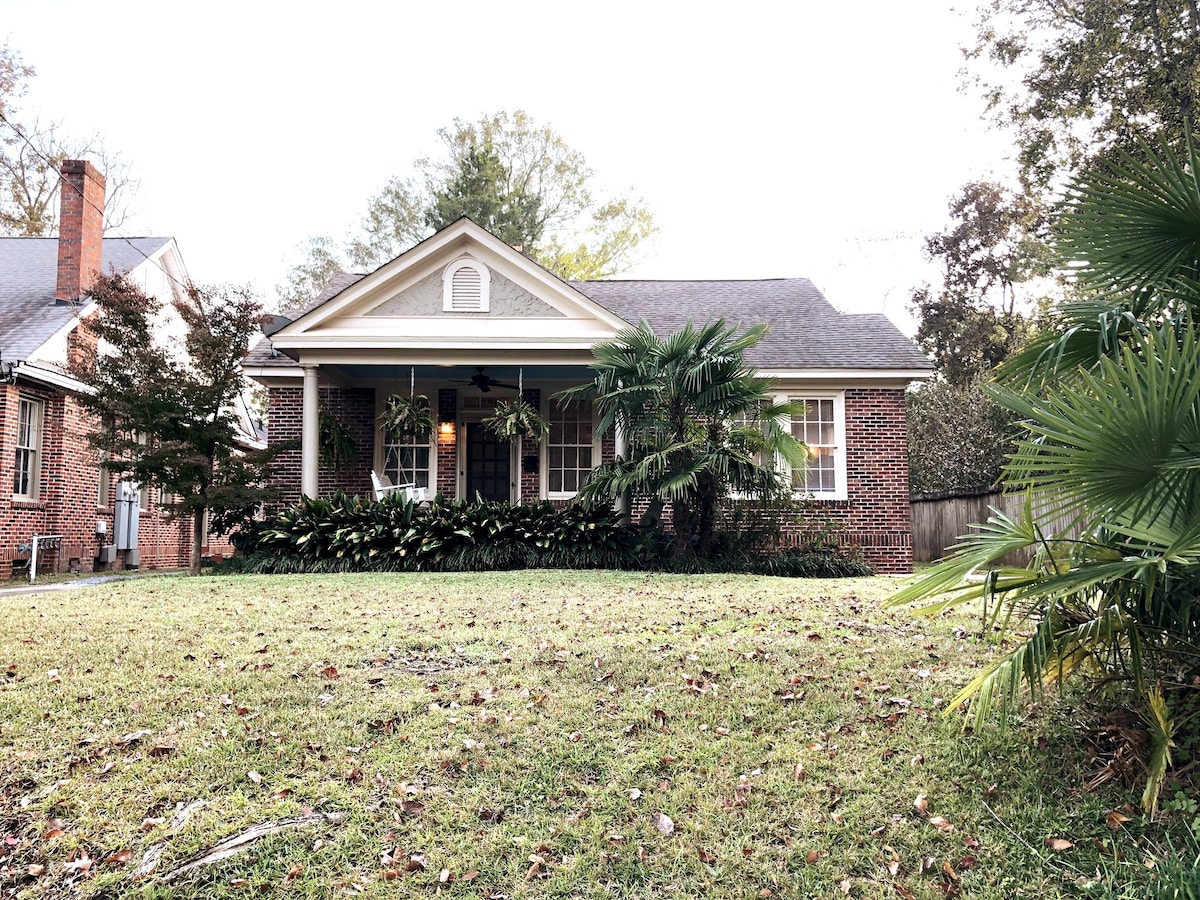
(466, 284)
(466, 290)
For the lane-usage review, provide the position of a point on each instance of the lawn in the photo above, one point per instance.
(532, 734)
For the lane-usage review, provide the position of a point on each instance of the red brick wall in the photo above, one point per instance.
(874, 516)
(68, 489)
(355, 407)
(447, 444)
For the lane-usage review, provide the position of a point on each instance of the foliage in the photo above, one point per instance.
(517, 418)
(1112, 405)
(1092, 77)
(460, 723)
(344, 533)
(972, 322)
(697, 422)
(511, 175)
(31, 155)
(163, 406)
(335, 443)
(958, 437)
(407, 416)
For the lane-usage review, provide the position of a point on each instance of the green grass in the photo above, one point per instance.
(527, 727)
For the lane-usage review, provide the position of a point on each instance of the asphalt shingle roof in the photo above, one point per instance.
(806, 332)
(29, 315)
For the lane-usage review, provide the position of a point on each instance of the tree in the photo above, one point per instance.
(1093, 77)
(1112, 402)
(514, 177)
(994, 243)
(163, 408)
(31, 156)
(697, 423)
(958, 437)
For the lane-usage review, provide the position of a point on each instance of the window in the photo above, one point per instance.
(570, 447)
(29, 449)
(821, 428)
(466, 286)
(406, 460)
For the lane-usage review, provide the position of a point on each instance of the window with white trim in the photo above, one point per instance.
(822, 429)
(406, 459)
(28, 461)
(466, 286)
(570, 447)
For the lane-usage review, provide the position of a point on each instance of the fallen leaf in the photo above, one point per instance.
(1115, 820)
(331, 673)
(444, 876)
(149, 824)
(119, 858)
(412, 807)
(416, 863)
(921, 804)
(36, 869)
(1058, 844)
(940, 823)
(635, 794)
(663, 823)
(254, 776)
(293, 873)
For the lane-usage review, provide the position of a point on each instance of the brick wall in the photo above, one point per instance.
(355, 407)
(875, 515)
(68, 501)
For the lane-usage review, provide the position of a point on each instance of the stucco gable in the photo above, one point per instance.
(508, 300)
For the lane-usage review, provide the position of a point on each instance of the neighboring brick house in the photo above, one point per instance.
(58, 486)
(464, 318)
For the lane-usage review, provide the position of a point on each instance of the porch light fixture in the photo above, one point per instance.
(8, 370)
(446, 429)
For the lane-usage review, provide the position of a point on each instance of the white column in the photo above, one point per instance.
(309, 433)
(624, 501)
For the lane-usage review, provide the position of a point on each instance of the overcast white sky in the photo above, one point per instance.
(769, 139)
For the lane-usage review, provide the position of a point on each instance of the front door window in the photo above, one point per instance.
(489, 463)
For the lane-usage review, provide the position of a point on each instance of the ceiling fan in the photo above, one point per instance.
(485, 382)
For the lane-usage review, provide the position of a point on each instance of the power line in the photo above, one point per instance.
(64, 183)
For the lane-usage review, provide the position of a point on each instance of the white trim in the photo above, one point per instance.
(456, 289)
(35, 372)
(839, 437)
(840, 375)
(36, 447)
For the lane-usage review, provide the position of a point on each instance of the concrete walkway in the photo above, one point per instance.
(17, 589)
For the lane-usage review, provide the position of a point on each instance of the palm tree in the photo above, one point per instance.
(698, 424)
(1111, 403)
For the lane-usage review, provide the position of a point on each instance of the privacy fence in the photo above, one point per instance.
(940, 520)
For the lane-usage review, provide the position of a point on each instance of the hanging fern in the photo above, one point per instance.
(517, 418)
(407, 417)
(337, 447)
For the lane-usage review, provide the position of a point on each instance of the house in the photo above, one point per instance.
(58, 486)
(465, 320)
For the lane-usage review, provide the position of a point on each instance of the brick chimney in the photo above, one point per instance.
(80, 228)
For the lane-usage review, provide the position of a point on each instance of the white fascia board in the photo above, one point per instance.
(53, 378)
(462, 236)
(843, 375)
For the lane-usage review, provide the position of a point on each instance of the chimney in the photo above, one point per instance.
(80, 228)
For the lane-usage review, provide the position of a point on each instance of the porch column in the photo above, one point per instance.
(624, 502)
(309, 432)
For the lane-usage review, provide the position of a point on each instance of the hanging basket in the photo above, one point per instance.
(517, 418)
(407, 417)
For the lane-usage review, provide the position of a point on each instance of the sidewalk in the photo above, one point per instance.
(18, 588)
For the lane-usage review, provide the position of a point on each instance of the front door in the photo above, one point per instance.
(488, 464)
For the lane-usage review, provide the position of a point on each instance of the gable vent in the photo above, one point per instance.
(465, 286)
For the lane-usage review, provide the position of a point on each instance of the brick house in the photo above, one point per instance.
(464, 319)
(58, 486)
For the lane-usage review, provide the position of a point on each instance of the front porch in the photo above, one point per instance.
(461, 458)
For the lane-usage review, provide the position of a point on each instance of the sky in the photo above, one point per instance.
(769, 139)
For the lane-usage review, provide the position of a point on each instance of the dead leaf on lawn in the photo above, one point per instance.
(941, 824)
(1115, 820)
(412, 807)
(254, 776)
(663, 823)
(119, 858)
(293, 873)
(1058, 844)
(921, 805)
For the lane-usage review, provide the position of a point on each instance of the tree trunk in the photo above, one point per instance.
(683, 525)
(197, 539)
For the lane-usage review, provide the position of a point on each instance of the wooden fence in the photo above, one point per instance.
(939, 520)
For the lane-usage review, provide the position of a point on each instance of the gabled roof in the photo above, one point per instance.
(29, 313)
(806, 332)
